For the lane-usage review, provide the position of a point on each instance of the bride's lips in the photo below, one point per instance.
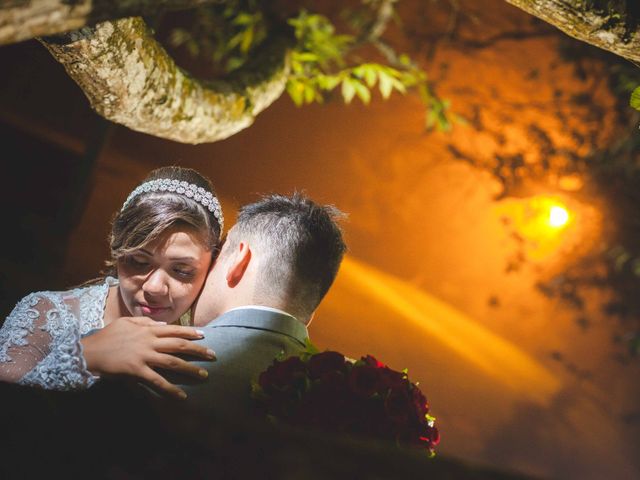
(152, 310)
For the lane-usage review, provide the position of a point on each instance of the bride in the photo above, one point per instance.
(163, 241)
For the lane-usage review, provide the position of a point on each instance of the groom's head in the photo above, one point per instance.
(283, 252)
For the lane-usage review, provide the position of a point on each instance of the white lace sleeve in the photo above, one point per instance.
(40, 345)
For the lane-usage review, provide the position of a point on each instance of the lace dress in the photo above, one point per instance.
(40, 339)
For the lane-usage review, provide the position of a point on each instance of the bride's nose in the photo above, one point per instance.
(156, 284)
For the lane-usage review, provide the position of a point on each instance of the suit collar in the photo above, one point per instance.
(260, 307)
(263, 320)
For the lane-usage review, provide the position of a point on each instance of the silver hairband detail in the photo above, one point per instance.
(194, 192)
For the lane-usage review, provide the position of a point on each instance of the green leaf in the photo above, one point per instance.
(297, 67)
(398, 85)
(306, 56)
(234, 63)
(385, 84)
(348, 90)
(310, 347)
(309, 93)
(635, 98)
(244, 18)
(295, 89)
(370, 77)
(362, 91)
(328, 82)
(405, 60)
(247, 40)
(235, 40)
(368, 72)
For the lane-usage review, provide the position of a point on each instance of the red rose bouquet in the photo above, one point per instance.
(330, 392)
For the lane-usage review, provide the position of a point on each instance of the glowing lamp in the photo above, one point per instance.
(558, 217)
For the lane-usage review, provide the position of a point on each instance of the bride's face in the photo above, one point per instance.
(162, 280)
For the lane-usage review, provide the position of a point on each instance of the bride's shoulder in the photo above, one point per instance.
(37, 309)
(85, 303)
(96, 289)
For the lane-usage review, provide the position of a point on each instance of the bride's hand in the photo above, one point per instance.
(134, 346)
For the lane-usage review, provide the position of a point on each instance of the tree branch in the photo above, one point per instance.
(384, 14)
(130, 79)
(610, 25)
(22, 20)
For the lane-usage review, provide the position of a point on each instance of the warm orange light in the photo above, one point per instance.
(542, 222)
(558, 216)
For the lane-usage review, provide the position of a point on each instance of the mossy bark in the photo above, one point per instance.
(612, 25)
(131, 80)
(25, 19)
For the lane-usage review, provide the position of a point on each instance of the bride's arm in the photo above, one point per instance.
(40, 345)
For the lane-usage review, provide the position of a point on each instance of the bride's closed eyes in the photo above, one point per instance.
(142, 263)
(184, 271)
(137, 261)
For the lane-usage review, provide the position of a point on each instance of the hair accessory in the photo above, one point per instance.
(194, 192)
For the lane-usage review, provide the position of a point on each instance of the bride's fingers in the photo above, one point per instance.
(182, 346)
(146, 321)
(178, 331)
(175, 364)
(161, 384)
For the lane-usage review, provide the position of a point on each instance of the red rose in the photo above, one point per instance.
(398, 406)
(325, 362)
(419, 402)
(334, 381)
(325, 406)
(364, 380)
(365, 398)
(392, 379)
(372, 361)
(432, 437)
(282, 373)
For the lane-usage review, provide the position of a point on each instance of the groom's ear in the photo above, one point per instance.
(238, 264)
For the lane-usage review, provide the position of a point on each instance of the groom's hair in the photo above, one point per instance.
(300, 246)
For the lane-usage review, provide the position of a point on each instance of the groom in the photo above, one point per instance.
(276, 265)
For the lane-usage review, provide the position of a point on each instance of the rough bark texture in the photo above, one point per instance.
(610, 25)
(130, 79)
(24, 19)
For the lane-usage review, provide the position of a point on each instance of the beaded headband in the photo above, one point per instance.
(194, 192)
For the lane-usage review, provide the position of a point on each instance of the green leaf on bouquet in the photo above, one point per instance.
(310, 347)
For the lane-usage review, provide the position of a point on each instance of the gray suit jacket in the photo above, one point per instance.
(246, 342)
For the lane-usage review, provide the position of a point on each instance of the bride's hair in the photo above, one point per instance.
(149, 214)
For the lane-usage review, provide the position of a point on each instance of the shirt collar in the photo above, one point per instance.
(261, 307)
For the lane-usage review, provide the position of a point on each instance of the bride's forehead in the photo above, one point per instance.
(176, 240)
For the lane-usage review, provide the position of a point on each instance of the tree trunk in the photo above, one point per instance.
(130, 79)
(606, 24)
(24, 19)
